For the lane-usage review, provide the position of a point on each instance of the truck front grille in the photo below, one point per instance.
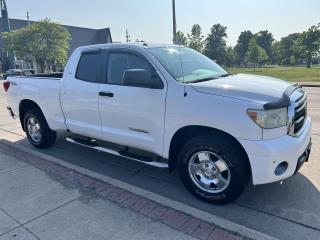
(300, 112)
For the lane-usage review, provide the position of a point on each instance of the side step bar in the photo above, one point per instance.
(118, 153)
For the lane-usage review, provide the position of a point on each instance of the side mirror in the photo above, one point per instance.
(141, 78)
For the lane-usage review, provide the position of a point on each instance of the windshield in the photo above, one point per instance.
(187, 65)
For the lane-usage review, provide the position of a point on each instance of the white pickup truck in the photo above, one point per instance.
(170, 106)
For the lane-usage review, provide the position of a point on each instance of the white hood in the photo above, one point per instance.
(259, 89)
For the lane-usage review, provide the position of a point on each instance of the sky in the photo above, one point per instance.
(151, 20)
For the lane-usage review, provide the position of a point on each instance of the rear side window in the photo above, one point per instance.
(118, 63)
(88, 67)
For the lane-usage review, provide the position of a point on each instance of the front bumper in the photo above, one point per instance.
(266, 155)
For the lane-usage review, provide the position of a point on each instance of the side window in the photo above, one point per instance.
(118, 63)
(88, 67)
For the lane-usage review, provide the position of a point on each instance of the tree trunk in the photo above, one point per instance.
(254, 67)
(309, 59)
(42, 66)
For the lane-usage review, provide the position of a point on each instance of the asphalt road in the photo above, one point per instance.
(290, 210)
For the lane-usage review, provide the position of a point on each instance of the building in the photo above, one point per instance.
(79, 36)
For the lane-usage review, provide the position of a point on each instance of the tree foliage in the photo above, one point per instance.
(181, 39)
(195, 38)
(256, 54)
(46, 41)
(216, 44)
(264, 40)
(242, 46)
(287, 49)
(309, 42)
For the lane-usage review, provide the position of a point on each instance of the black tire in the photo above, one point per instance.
(47, 138)
(232, 154)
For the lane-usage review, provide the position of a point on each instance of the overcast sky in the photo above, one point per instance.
(151, 20)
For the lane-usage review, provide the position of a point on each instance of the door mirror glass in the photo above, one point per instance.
(141, 78)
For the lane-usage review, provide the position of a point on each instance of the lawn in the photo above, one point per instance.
(293, 74)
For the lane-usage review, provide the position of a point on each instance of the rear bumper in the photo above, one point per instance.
(266, 155)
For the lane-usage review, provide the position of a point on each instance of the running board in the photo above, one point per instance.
(117, 153)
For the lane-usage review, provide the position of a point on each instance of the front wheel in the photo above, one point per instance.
(38, 132)
(214, 168)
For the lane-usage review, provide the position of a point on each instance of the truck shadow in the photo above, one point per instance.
(297, 199)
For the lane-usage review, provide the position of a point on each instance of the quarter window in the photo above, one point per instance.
(88, 67)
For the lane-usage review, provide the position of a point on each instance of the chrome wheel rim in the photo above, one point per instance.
(34, 129)
(209, 172)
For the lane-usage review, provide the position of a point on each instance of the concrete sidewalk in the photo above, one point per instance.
(43, 200)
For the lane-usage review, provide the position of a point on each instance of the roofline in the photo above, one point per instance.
(96, 29)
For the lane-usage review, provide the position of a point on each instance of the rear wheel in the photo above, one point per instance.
(214, 168)
(38, 132)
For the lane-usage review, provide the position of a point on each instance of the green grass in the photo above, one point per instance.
(292, 74)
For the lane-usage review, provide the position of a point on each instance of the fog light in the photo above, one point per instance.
(281, 168)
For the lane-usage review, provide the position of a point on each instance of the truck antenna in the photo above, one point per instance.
(184, 84)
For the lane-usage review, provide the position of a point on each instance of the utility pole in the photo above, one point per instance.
(28, 19)
(127, 36)
(174, 22)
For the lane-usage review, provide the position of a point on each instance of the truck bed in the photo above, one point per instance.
(43, 89)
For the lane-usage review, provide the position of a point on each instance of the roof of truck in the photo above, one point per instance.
(135, 44)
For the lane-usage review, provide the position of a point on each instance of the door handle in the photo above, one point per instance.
(105, 94)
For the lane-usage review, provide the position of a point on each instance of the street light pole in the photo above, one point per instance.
(174, 22)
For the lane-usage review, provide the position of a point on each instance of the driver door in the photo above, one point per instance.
(131, 116)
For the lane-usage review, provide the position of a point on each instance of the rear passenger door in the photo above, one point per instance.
(132, 116)
(79, 95)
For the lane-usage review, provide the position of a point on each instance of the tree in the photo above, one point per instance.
(46, 41)
(265, 39)
(195, 38)
(215, 47)
(229, 57)
(181, 39)
(255, 54)
(242, 45)
(309, 42)
(286, 49)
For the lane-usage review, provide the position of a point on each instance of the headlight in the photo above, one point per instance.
(269, 118)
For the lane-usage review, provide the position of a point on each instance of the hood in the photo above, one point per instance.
(253, 88)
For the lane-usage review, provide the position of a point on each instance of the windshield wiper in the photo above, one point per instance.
(225, 75)
(202, 80)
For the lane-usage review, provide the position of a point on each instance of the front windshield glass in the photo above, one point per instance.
(187, 65)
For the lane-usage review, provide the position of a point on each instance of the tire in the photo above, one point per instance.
(221, 175)
(41, 136)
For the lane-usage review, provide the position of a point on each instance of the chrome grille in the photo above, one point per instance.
(300, 111)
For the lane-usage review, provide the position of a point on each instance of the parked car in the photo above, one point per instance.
(12, 72)
(170, 106)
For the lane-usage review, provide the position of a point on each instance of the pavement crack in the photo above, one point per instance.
(51, 210)
(14, 169)
(12, 132)
(136, 172)
(29, 231)
(276, 216)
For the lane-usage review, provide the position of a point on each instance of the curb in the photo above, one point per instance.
(178, 206)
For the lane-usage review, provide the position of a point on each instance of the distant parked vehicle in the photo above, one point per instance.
(13, 72)
(170, 106)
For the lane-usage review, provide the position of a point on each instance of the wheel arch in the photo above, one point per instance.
(187, 132)
(24, 106)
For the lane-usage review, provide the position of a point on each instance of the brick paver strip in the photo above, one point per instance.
(158, 212)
